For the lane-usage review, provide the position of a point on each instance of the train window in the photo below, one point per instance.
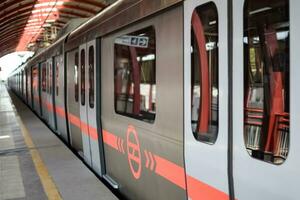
(47, 77)
(82, 70)
(50, 77)
(44, 85)
(35, 82)
(266, 79)
(204, 73)
(134, 75)
(25, 84)
(57, 75)
(76, 76)
(22, 81)
(91, 77)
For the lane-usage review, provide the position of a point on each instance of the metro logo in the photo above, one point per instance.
(134, 152)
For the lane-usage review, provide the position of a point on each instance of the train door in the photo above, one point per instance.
(92, 106)
(50, 94)
(266, 99)
(44, 90)
(73, 101)
(83, 109)
(88, 105)
(206, 103)
(59, 93)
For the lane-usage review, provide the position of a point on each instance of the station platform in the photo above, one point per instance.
(35, 164)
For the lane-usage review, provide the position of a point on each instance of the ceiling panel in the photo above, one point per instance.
(24, 22)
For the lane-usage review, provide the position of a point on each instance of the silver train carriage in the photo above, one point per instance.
(175, 99)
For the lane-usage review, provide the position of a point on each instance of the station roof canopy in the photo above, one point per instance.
(28, 23)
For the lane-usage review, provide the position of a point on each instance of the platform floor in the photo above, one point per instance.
(35, 164)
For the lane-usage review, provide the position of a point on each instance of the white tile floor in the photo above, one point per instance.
(11, 184)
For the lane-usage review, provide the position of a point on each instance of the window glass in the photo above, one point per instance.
(28, 84)
(57, 75)
(134, 75)
(19, 85)
(82, 75)
(76, 80)
(44, 85)
(205, 73)
(91, 77)
(19, 82)
(35, 82)
(22, 81)
(48, 77)
(50, 80)
(266, 79)
(25, 84)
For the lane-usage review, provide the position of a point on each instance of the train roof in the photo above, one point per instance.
(114, 17)
(55, 49)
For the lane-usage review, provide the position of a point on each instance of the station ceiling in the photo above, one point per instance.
(25, 24)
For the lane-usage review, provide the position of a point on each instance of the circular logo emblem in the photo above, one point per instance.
(134, 152)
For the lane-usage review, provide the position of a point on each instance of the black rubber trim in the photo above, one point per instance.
(98, 106)
(53, 92)
(40, 88)
(230, 98)
(64, 54)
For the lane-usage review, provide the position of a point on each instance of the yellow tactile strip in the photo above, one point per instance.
(47, 182)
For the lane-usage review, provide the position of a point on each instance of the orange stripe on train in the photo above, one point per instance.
(60, 111)
(199, 190)
(84, 127)
(173, 173)
(74, 120)
(170, 171)
(163, 167)
(110, 139)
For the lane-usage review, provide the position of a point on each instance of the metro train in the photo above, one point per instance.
(173, 99)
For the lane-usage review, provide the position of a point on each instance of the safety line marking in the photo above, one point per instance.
(47, 182)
